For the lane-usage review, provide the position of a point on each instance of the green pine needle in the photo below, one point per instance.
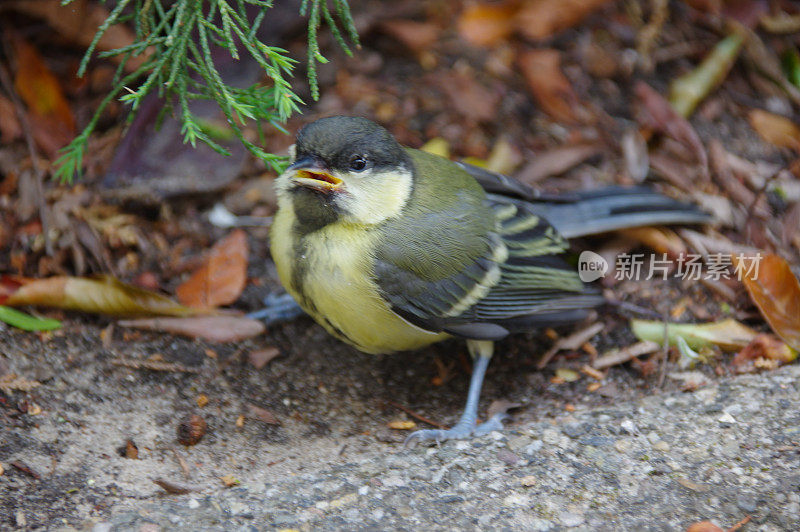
(177, 37)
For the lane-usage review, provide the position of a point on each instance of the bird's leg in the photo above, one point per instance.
(481, 351)
(278, 308)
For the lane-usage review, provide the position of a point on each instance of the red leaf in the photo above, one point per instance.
(776, 292)
(221, 279)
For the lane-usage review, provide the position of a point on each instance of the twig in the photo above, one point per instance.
(664, 352)
(623, 355)
(573, 341)
(416, 416)
(152, 365)
(184, 466)
(5, 79)
(740, 524)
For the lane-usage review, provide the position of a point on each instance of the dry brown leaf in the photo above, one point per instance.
(10, 128)
(765, 346)
(776, 292)
(222, 277)
(50, 116)
(261, 357)
(540, 19)
(775, 129)
(12, 382)
(417, 36)
(487, 24)
(78, 22)
(262, 414)
(470, 98)
(659, 239)
(212, 328)
(556, 161)
(659, 115)
(99, 295)
(175, 488)
(704, 526)
(552, 90)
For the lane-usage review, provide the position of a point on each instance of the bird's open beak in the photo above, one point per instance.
(310, 172)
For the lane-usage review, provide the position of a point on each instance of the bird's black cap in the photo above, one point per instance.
(336, 140)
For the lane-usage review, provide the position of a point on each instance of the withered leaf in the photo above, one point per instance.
(221, 278)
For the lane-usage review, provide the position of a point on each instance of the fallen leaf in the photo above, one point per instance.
(261, 357)
(765, 346)
(567, 375)
(659, 239)
(775, 129)
(417, 36)
(469, 97)
(11, 382)
(401, 425)
(729, 335)
(262, 414)
(541, 19)
(504, 157)
(175, 488)
(78, 22)
(551, 89)
(51, 119)
(556, 161)
(660, 116)
(202, 400)
(131, 450)
(212, 328)
(221, 278)
(26, 322)
(776, 292)
(689, 90)
(437, 146)
(487, 24)
(102, 294)
(229, 480)
(704, 526)
(10, 128)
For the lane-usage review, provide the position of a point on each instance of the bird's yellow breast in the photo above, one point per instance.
(328, 272)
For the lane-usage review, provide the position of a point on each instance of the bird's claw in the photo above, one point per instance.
(459, 431)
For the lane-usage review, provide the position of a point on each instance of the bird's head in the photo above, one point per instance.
(346, 169)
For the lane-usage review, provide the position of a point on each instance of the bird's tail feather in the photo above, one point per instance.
(612, 208)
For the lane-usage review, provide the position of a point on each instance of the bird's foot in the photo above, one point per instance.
(278, 308)
(460, 431)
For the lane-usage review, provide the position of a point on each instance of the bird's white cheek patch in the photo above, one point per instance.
(378, 197)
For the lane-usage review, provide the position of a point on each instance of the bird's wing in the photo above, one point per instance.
(536, 286)
(512, 279)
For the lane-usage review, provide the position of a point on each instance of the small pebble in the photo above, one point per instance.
(661, 445)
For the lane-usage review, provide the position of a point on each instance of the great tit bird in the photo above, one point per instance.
(391, 248)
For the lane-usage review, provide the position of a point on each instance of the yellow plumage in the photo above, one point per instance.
(338, 290)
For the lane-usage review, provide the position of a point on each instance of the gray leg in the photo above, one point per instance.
(481, 351)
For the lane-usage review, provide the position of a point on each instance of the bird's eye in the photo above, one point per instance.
(358, 163)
